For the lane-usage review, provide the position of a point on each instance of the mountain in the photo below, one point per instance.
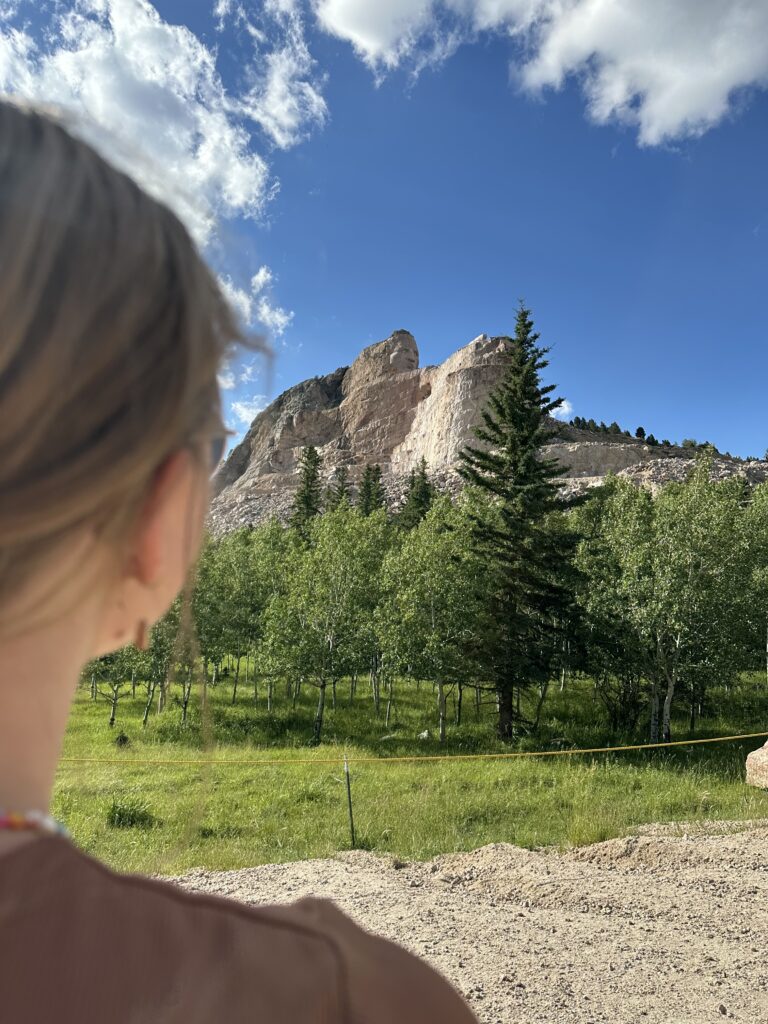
(384, 408)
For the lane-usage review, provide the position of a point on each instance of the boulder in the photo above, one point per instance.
(757, 768)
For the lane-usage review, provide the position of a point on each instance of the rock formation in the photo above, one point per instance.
(384, 408)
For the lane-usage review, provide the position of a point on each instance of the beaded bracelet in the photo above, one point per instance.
(19, 820)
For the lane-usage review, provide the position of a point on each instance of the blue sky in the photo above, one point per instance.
(427, 170)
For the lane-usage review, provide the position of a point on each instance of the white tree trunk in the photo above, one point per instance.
(441, 706)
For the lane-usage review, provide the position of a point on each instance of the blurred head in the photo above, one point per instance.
(111, 333)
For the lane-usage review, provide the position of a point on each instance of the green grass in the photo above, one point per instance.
(166, 818)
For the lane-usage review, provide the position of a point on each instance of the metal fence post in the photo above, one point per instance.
(349, 802)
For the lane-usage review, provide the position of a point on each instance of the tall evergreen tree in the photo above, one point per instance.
(518, 533)
(418, 501)
(338, 491)
(371, 494)
(306, 503)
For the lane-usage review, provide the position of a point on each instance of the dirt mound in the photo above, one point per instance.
(666, 927)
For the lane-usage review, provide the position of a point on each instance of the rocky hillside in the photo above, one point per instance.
(384, 408)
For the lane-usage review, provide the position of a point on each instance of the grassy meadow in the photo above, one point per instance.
(166, 818)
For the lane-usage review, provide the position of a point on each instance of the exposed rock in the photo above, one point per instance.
(757, 768)
(384, 408)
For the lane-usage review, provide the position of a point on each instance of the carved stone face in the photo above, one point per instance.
(403, 355)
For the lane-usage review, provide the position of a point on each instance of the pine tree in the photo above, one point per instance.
(338, 491)
(371, 495)
(306, 503)
(419, 498)
(640, 432)
(519, 533)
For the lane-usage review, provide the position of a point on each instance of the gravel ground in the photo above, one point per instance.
(660, 928)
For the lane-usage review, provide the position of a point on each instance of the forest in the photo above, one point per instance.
(495, 596)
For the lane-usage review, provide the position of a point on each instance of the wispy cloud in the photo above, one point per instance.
(285, 95)
(671, 70)
(227, 380)
(245, 410)
(565, 412)
(255, 305)
(275, 318)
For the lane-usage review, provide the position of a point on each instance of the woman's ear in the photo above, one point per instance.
(161, 518)
(165, 542)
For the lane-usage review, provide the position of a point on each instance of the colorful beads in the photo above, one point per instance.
(19, 820)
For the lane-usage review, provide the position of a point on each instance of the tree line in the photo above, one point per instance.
(500, 592)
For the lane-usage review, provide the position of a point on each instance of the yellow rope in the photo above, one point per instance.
(410, 757)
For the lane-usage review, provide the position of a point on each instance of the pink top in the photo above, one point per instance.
(81, 944)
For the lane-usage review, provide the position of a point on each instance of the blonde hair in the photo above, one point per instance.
(112, 329)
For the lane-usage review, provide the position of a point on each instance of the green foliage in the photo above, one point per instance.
(307, 501)
(419, 498)
(664, 591)
(431, 613)
(338, 491)
(320, 624)
(524, 551)
(130, 813)
(371, 495)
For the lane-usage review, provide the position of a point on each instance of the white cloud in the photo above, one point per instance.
(261, 280)
(247, 409)
(239, 299)
(149, 95)
(255, 306)
(672, 68)
(565, 412)
(669, 68)
(248, 373)
(227, 380)
(382, 33)
(285, 96)
(275, 318)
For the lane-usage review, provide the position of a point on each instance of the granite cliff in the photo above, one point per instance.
(384, 408)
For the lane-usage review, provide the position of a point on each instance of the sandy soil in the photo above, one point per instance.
(661, 928)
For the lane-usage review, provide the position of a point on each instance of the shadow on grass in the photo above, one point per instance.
(573, 719)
